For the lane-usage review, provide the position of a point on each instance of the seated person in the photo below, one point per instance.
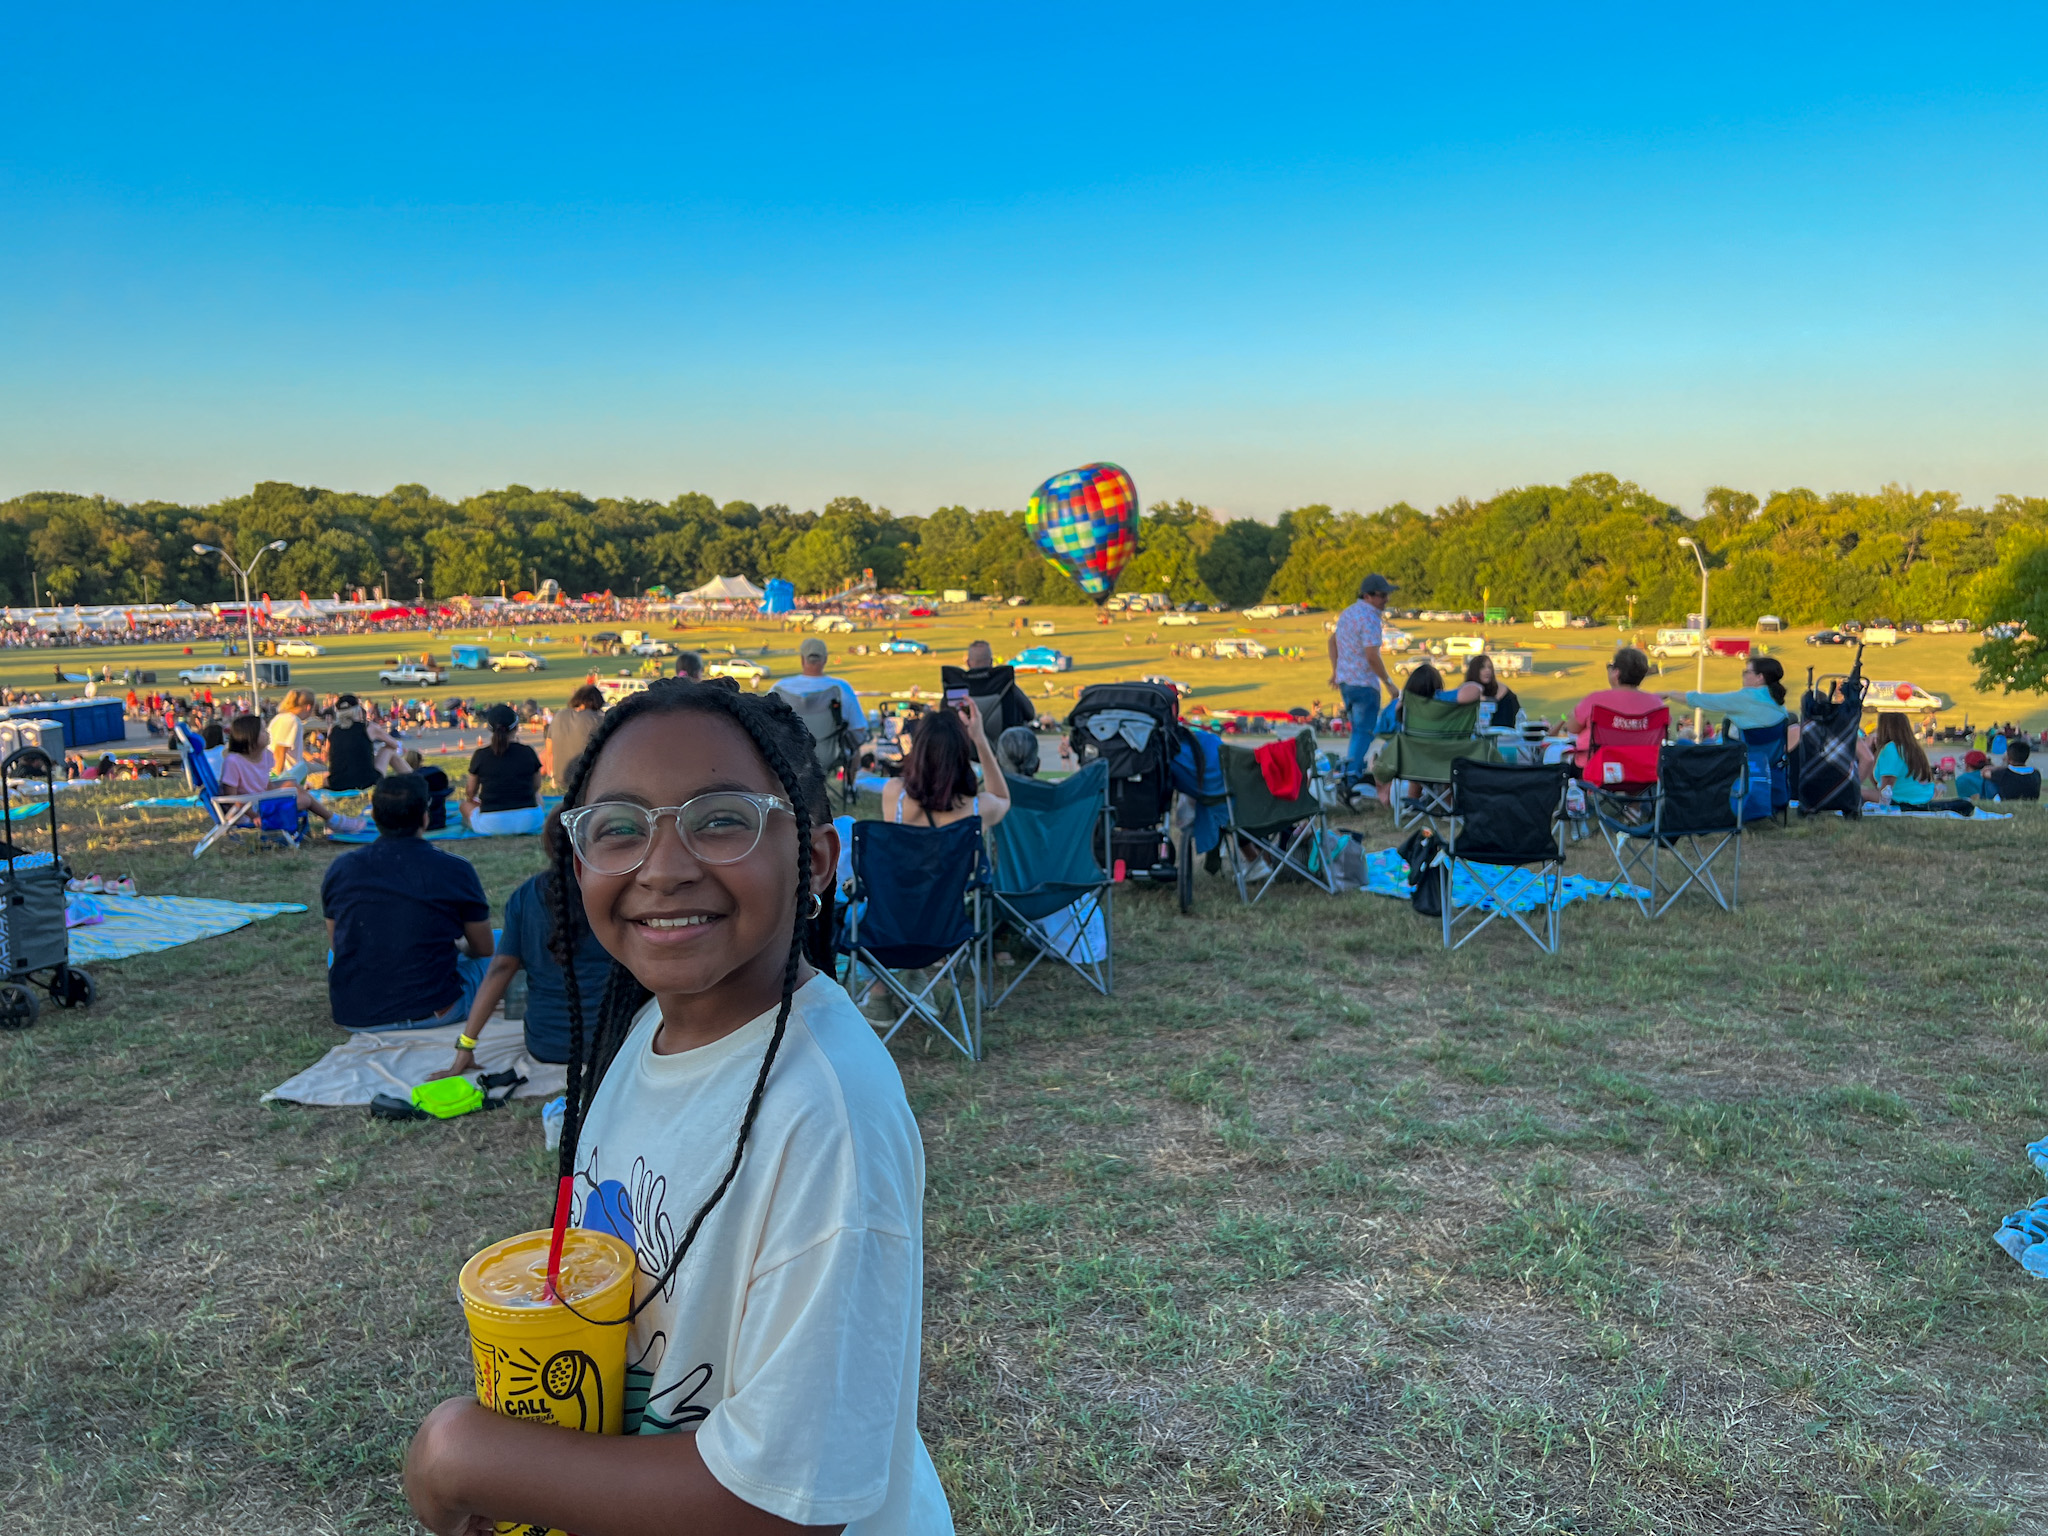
(1498, 705)
(812, 654)
(2016, 780)
(287, 737)
(408, 928)
(1017, 708)
(1425, 682)
(1624, 694)
(1758, 703)
(1970, 778)
(1017, 747)
(524, 945)
(242, 773)
(1899, 774)
(937, 786)
(358, 753)
(570, 731)
(502, 794)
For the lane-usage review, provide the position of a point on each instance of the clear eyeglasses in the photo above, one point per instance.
(613, 837)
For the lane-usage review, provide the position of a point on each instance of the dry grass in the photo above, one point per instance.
(1310, 1227)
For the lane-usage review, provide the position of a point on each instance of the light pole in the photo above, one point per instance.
(242, 575)
(1698, 714)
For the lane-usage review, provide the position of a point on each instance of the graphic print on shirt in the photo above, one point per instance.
(638, 1217)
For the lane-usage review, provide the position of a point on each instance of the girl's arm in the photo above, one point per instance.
(468, 1466)
(489, 993)
(472, 790)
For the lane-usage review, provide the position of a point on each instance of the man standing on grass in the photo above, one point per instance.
(1357, 670)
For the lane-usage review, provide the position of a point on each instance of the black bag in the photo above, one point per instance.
(1422, 853)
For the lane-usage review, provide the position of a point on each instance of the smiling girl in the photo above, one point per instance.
(734, 1118)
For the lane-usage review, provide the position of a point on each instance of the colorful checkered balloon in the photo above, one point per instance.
(1086, 522)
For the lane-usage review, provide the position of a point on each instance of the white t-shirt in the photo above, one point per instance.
(849, 703)
(789, 1339)
(286, 729)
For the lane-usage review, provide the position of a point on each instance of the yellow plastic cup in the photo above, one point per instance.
(537, 1359)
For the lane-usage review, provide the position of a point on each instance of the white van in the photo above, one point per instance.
(1677, 642)
(1880, 637)
(1552, 618)
(1464, 645)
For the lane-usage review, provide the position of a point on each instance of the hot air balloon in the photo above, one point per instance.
(1086, 522)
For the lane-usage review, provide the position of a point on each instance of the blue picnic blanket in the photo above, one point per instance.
(1386, 874)
(143, 925)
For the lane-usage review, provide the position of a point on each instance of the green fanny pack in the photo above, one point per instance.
(447, 1098)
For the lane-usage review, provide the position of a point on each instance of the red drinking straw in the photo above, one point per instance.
(555, 1241)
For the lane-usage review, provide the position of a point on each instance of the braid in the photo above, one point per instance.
(784, 744)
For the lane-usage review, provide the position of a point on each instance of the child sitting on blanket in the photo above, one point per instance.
(242, 773)
(524, 945)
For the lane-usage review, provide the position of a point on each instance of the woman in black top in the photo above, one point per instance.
(502, 793)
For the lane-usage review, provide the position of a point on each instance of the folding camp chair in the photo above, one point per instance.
(1691, 814)
(833, 741)
(1291, 835)
(275, 813)
(1507, 835)
(918, 895)
(1433, 734)
(1769, 793)
(1048, 877)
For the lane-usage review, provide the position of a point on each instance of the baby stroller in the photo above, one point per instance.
(1135, 728)
(33, 937)
(1825, 768)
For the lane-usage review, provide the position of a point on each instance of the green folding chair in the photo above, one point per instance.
(1434, 734)
(1289, 836)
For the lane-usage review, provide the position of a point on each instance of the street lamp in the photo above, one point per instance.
(1698, 714)
(242, 575)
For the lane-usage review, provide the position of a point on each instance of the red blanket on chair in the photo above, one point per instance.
(1282, 768)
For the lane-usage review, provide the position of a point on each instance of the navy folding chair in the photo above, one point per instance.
(1769, 794)
(1048, 877)
(275, 813)
(918, 902)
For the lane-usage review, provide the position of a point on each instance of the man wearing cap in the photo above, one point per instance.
(1357, 670)
(811, 657)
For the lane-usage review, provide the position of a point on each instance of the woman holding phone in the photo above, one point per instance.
(937, 786)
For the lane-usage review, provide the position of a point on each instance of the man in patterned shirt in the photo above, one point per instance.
(1357, 670)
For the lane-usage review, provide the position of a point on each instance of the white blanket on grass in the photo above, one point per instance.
(393, 1061)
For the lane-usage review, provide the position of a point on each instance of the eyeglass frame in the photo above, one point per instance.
(768, 805)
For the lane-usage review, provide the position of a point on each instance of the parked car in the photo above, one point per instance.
(409, 673)
(905, 648)
(1043, 627)
(833, 624)
(1181, 690)
(300, 648)
(1830, 637)
(1263, 611)
(922, 612)
(653, 648)
(734, 667)
(1042, 658)
(1179, 618)
(212, 673)
(518, 661)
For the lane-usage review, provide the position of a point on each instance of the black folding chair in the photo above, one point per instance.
(1692, 816)
(1507, 833)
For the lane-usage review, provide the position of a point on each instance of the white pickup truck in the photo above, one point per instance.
(409, 674)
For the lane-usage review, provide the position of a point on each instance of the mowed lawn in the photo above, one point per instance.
(1568, 663)
(1309, 1228)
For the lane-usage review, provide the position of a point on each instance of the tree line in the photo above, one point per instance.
(1589, 546)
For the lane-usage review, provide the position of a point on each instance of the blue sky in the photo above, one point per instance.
(1259, 255)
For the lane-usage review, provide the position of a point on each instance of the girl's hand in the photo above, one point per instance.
(465, 1061)
(972, 711)
(439, 1448)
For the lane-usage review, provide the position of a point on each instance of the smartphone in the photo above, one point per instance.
(955, 697)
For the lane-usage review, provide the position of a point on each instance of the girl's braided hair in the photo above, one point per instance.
(785, 744)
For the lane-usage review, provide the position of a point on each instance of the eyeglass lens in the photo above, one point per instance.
(718, 829)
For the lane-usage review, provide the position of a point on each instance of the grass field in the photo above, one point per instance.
(1569, 663)
(1310, 1228)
